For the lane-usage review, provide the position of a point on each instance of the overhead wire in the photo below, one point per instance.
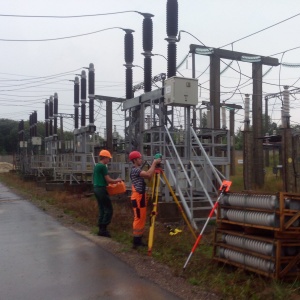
(68, 17)
(261, 30)
(59, 38)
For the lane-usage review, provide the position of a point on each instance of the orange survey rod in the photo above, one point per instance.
(224, 188)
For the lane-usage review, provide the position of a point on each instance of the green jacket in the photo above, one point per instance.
(100, 171)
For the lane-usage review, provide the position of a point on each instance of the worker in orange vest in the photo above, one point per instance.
(138, 196)
(100, 180)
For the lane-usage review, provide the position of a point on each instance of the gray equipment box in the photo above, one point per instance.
(181, 91)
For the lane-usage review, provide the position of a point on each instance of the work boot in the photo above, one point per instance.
(103, 231)
(137, 242)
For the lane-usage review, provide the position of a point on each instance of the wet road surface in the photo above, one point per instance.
(40, 259)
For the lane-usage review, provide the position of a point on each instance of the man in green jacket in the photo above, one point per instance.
(100, 180)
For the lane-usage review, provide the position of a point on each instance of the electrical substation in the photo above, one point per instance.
(254, 231)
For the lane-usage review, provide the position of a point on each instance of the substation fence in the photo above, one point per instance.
(260, 233)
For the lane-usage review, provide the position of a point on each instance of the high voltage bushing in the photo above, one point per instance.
(248, 260)
(172, 18)
(129, 93)
(128, 53)
(286, 107)
(83, 97)
(47, 118)
(30, 125)
(147, 46)
(91, 92)
(76, 100)
(147, 74)
(51, 115)
(172, 53)
(55, 114)
(147, 32)
(128, 41)
(251, 201)
(35, 123)
(172, 31)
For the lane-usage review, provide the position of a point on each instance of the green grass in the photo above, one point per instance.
(202, 272)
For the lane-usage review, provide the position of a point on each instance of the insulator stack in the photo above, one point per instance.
(128, 40)
(172, 50)
(248, 260)
(30, 125)
(129, 93)
(47, 118)
(147, 74)
(76, 101)
(128, 44)
(147, 46)
(286, 107)
(83, 97)
(252, 201)
(172, 18)
(247, 109)
(55, 114)
(249, 244)
(51, 115)
(91, 92)
(172, 31)
(259, 233)
(35, 123)
(250, 217)
(224, 126)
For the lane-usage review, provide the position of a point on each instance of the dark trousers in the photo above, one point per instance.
(104, 205)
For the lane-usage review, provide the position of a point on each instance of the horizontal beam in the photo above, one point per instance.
(107, 98)
(233, 55)
(149, 96)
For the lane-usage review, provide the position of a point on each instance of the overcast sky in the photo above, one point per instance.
(26, 66)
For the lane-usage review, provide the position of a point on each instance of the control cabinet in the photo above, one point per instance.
(181, 91)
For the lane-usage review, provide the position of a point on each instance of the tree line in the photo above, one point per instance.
(9, 136)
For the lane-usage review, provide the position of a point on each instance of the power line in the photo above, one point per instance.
(68, 17)
(261, 30)
(60, 38)
(285, 51)
(38, 77)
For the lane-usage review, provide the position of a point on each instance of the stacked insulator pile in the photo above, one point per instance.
(260, 233)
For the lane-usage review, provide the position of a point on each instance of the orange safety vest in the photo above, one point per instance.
(139, 205)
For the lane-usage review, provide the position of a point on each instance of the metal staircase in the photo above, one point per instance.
(195, 174)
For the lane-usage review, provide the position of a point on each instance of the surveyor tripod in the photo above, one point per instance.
(154, 197)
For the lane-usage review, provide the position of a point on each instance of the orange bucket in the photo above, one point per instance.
(116, 188)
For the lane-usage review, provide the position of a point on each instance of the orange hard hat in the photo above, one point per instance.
(105, 153)
(134, 155)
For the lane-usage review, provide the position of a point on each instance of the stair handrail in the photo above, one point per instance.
(206, 174)
(183, 201)
(202, 184)
(178, 157)
(206, 156)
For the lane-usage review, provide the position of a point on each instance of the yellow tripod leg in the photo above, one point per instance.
(179, 206)
(153, 214)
